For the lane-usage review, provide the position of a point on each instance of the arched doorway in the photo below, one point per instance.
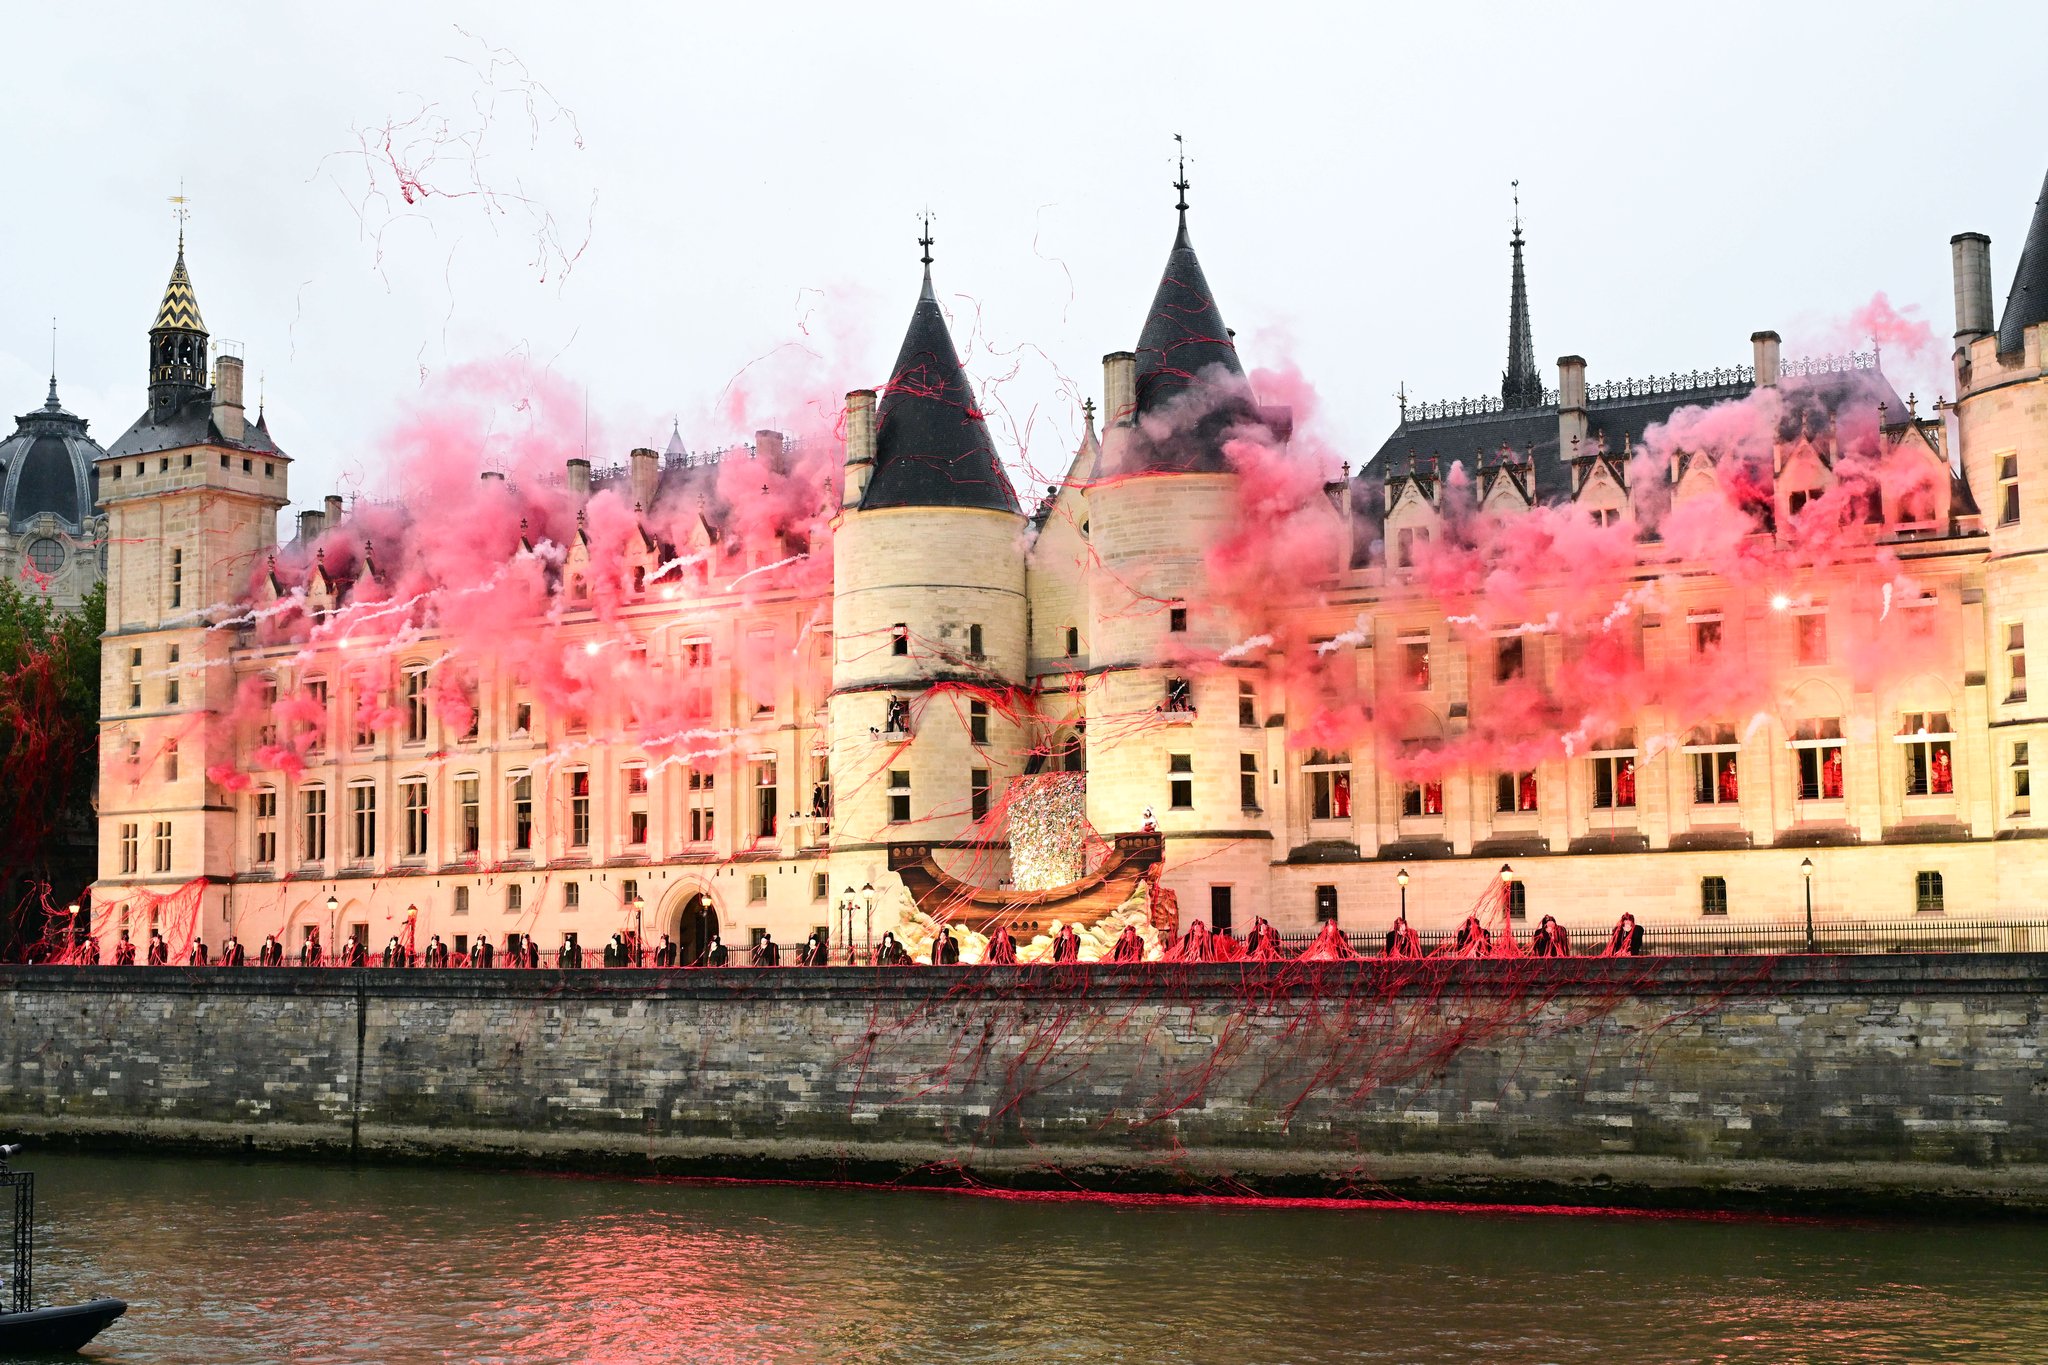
(697, 927)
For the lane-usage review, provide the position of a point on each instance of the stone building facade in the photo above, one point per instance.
(52, 536)
(968, 642)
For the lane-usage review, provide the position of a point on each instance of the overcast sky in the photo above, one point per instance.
(741, 181)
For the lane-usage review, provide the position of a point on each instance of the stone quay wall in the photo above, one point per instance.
(1826, 1082)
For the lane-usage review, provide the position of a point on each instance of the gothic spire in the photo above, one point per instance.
(1520, 386)
(177, 343)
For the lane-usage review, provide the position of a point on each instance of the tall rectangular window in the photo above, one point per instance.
(177, 578)
(1180, 697)
(2016, 662)
(1247, 705)
(1614, 782)
(1928, 738)
(1180, 781)
(265, 812)
(1326, 904)
(1329, 785)
(1713, 895)
(899, 796)
(1514, 792)
(977, 722)
(522, 811)
(171, 683)
(1812, 627)
(134, 679)
(1927, 897)
(1248, 781)
(1073, 641)
(2022, 780)
(572, 895)
(469, 817)
(2008, 489)
(703, 794)
(1507, 658)
(1177, 619)
(416, 706)
(579, 809)
(1415, 663)
(170, 760)
(1219, 908)
(316, 693)
(413, 794)
(1819, 746)
(1715, 778)
(977, 793)
(1706, 634)
(363, 822)
(461, 900)
(313, 825)
(974, 642)
(131, 844)
(765, 793)
(899, 640)
(1422, 797)
(515, 898)
(163, 846)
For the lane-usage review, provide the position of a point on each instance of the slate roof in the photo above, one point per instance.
(191, 425)
(47, 466)
(1618, 422)
(932, 448)
(2027, 304)
(180, 308)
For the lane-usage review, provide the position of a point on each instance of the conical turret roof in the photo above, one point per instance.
(2027, 304)
(1184, 342)
(180, 308)
(932, 448)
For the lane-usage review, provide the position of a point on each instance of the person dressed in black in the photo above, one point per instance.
(199, 957)
(89, 952)
(1402, 940)
(1473, 940)
(233, 954)
(571, 957)
(1002, 948)
(815, 953)
(1066, 945)
(532, 953)
(437, 952)
(309, 951)
(394, 956)
(889, 953)
(271, 954)
(1627, 938)
(1550, 939)
(716, 955)
(665, 952)
(945, 948)
(767, 953)
(1129, 946)
(354, 953)
(159, 952)
(481, 953)
(616, 953)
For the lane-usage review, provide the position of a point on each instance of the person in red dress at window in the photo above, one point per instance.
(1727, 781)
(1831, 776)
(1432, 798)
(1525, 793)
(1625, 783)
(1340, 796)
(1944, 777)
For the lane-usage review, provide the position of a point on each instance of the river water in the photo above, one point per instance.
(227, 1262)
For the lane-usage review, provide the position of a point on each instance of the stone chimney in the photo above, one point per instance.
(768, 448)
(311, 524)
(860, 445)
(646, 476)
(1119, 388)
(1571, 410)
(227, 396)
(333, 518)
(579, 481)
(1764, 347)
(1970, 255)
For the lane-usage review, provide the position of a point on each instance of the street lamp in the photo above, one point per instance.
(635, 903)
(1402, 877)
(1806, 872)
(867, 896)
(846, 918)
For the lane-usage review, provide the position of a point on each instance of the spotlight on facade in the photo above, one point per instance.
(1779, 602)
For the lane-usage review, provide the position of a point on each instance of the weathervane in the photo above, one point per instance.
(1181, 154)
(925, 240)
(180, 212)
(1516, 186)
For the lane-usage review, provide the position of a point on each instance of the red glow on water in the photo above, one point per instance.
(1256, 1202)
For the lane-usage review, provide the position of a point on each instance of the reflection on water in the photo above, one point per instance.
(234, 1263)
